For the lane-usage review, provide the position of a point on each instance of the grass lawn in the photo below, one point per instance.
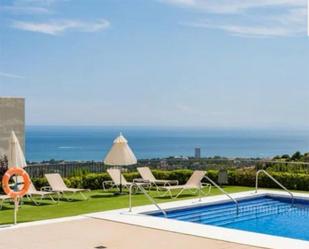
(99, 201)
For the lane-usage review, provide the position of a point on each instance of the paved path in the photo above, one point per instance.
(92, 233)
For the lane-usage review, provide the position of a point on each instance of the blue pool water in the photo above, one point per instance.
(268, 215)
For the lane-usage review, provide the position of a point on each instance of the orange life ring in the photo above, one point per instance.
(6, 178)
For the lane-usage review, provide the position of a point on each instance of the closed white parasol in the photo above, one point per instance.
(120, 155)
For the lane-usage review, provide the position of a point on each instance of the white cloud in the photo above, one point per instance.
(234, 6)
(57, 27)
(190, 3)
(250, 31)
(37, 2)
(45, 3)
(292, 23)
(24, 10)
(28, 7)
(9, 75)
(250, 18)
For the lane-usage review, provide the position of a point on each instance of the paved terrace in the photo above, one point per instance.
(91, 233)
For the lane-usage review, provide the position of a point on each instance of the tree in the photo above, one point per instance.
(3, 165)
(285, 156)
(306, 157)
(296, 156)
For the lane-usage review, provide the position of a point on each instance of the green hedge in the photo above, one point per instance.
(293, 181)
(94, 181)
(235, 177)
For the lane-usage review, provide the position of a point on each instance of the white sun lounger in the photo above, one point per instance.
(58, 186)
(3, 198)
(194, 183)
(147, 176)
(34, 192)
(115, 175)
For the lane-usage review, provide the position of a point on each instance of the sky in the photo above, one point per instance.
(206, 63)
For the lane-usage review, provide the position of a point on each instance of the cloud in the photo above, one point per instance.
(28, 7)
(38, 2)
(24, 10)
(57, 27)
(250, 31)
(13, 76)
(234, 6)
(292, 23)
(254, 18)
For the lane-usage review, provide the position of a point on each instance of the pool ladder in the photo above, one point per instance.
(224, 192)
(272, 178)
(146, 194)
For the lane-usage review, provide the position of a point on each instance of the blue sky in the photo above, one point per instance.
(211, 63)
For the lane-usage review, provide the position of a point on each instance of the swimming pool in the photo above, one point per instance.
(272, 215)
(266, 218)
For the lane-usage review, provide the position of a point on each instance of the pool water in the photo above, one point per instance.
(269, 215)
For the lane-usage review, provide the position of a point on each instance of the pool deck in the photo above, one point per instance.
(84, 233)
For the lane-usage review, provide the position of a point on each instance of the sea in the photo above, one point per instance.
(84, 143)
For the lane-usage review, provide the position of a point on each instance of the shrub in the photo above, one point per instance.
(213, 175)
(181, 175)
(91, 181)
(239, 177)
(39, 182)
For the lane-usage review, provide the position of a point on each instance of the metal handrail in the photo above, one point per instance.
(224, 192)
(147, 195)
(271, 177)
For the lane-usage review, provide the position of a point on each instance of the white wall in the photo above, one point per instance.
(12, 117)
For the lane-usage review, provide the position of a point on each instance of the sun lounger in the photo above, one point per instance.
(194, 183)
(3, 198)
(115, 175)
(58, 186)
(34, 192)
(147, 176)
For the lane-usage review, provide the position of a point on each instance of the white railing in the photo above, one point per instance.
(224, 192)
(147, 195)
(272, 178)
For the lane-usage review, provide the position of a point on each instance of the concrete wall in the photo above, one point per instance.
(12, 117)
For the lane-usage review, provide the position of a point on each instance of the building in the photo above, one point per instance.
(197, 152)
(12, 118)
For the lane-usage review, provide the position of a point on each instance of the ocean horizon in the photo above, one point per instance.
(83, 143)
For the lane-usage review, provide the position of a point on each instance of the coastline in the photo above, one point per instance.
(87, 143)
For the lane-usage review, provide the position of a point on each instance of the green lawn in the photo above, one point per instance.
(99, 201)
